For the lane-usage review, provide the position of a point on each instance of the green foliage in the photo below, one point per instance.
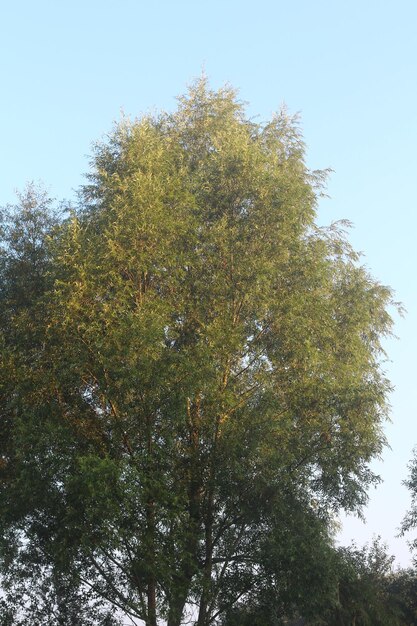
(297, 572)
(343, 587)
(34, 593)
(193, 386)
(410, 520)
(369, 592)
(362, 588)
(402, 589)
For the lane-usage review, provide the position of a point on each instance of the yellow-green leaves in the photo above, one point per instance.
(203, 364)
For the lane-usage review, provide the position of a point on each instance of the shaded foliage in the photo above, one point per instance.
(191, 373)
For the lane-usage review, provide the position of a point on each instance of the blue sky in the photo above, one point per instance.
(350, 67)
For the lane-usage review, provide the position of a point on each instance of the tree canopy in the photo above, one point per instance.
(191, 374)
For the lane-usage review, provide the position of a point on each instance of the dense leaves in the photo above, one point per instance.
(352, 587)
(192, 385)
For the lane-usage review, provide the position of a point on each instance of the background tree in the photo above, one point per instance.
(205, 375)
(363, 588)
(32, 589)
(410, 520)
(369, 590)
(353, 586)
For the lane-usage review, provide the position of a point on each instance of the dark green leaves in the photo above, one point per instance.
(191, 368)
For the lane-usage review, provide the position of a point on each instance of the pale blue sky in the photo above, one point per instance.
(350, 68)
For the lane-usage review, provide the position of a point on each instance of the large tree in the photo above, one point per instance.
(201, 375)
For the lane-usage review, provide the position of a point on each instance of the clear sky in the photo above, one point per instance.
(349, 66)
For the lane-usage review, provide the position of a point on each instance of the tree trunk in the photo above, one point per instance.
(188, 567)
(150, 522)
(205, 595)
(203, 616)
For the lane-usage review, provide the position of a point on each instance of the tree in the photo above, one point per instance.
(364, 590)
(205, 373)
(297, 577)
(405, 586)
(352, 587)
(369, 591)
(32, 589)
(403, 593)
(410, 520)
